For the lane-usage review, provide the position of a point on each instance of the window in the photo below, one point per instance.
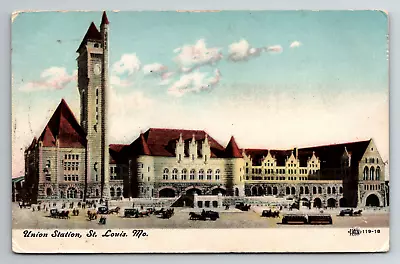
(66, 156)
(328, 190)
(201, 174)
(69, 177)
(69, 156)
(319, 190)
(175, 174)
(165, 174)
(77, 157)
(48, 163)
(371, 174)
(97, 177)
(365, 173)
(148, 169)
(340, 189)
(192, 173)
(217, 174)
(209, 174)
(48, 178)
(378, 173)
(314, 190)
(183, 174)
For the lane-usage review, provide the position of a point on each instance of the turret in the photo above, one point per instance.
(180, 149)
(193, 148)
(205, 150)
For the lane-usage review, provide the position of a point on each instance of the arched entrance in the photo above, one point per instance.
(218, 190)
(254, 191)
(166, 192)
(193, 190)
(275, 190)
(260, 191)
(372, 200)
(331, 202)
(119, 192)
(317, 203)
(72, 193)
(343, 202)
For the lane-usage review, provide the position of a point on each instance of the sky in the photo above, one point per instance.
(272, 79)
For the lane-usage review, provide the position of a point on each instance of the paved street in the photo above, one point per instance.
(233, 218)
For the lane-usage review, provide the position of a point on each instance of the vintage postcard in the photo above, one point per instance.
(179, 131)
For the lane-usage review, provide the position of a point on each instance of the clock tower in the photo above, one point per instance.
(93, 89)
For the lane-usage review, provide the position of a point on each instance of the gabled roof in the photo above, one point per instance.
(162, 142)
(258, 155)
(63, 126)
(92, 34)
(232, 150)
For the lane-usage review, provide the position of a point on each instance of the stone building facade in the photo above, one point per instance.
(72, 160)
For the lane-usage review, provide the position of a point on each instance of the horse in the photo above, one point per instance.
(92, 215)
(157, 212)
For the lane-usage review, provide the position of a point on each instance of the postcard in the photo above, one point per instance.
(196, 132)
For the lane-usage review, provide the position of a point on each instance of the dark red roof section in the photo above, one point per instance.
(232, 150)
(104, 19)
(162, 142)
(329, 155)
(117, 153)
(63, 125)
(91, 34)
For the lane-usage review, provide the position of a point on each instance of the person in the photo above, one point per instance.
(133, 205)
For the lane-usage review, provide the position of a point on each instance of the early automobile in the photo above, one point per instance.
(130, 212)
(102, 210)
(270, 213)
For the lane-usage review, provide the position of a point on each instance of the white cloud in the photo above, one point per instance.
(191, 57)
(129, 63)
(154, 68)
(274, 49)
(117, 81)
(194, 82)
(53, 78)
(295, 44)
(242, 51)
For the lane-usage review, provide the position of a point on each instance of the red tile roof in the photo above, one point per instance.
(91, 34)
(104, 19)
(117, 153)
(232, 150)
(63, 125)
(162, 142)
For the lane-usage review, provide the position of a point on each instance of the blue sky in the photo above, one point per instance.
(270, 78)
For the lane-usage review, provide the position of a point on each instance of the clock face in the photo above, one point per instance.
(97, 69)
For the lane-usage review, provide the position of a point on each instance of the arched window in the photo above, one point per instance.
(340, 189)
(378, 173)
(328, 190)
(217, 172)
(97, 192)
(371, 174)
(119, 192)
(293, 190)
(319, 190)
(365, 174)
(165, 174)
(201, 174)
(306, 190)
(49, 192)
(333, 190)
(209, 174)
(301, 190)
(183, 174)
(314, 190)
(287, 190)
(112, 192)
(175, 174)
(192, 173)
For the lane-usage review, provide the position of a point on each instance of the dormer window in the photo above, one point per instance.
(96, 45)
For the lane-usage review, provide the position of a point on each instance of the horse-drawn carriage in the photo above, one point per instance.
(167, 214)
(55, 213)
(243, 207)
(114, 210)
(92, 215)
(102, 210)
(350, 212)
(204, 215)
(270, 213)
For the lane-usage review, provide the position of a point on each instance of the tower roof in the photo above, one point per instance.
(104, 19)
(232, 150)
(64, 127)
(140, 147)
(91, 34)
